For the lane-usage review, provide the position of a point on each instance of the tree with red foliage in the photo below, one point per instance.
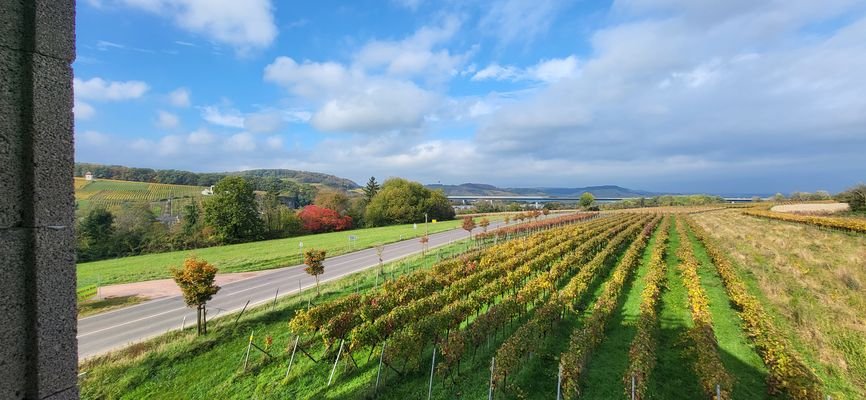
(319, 219)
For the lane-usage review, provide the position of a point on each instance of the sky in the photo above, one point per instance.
(715, 96)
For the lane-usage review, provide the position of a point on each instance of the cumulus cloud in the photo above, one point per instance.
(264, 122)
(92, 138)
(200, 137)
(82, 110)
(350, 100)
(240, 142)
(244, 25)
(671, 92)
(224, 117)
(179, 97)
(167, 120)
(415, 55)
(101, 89)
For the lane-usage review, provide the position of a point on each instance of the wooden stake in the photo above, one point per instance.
(275, 299)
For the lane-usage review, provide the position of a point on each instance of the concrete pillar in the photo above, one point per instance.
(38, 350)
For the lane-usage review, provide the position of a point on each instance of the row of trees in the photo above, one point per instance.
(235, 213)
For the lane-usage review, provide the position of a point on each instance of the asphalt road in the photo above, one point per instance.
(115, 329)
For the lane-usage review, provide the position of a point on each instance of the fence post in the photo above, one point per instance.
(492, 367)
(183, 324)
(241, 314)
(718, 392)
(432, 364)
(632, 387)
(292, 359)
(275, 299)
(379, 371)
(335, 362)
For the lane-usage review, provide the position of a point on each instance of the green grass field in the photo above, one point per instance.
(248, 256)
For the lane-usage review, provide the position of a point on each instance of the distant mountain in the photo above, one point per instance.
(479, 189)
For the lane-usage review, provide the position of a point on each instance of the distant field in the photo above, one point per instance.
(248, 256)
(812, 208)
(108, 193)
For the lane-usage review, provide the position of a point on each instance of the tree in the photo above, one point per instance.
(371, 189)
(190, 224)
(196, 281)
(95, 234)
(855, 197)
(424, 240)
(315, 260)
(468, 225)
(319, 219)
(402, 202)
(586, 199)
(231, 211)
(545, 211)
(333, 200)
(484, 223)
(507, 219)
(778, 197)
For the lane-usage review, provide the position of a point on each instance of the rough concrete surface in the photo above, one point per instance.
(38, 348)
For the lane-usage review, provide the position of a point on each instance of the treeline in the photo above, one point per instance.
(177, 177)
(235, 213)
(664, 201)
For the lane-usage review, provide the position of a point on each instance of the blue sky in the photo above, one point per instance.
(668, 95)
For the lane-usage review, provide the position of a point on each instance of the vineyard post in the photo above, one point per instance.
(240, 315)
(559, 383)
(292, 358)
(432, 364)
(632, 386)
(334, 369)
(492, 367)
(275, 299)
(379, 371)
(247, 355)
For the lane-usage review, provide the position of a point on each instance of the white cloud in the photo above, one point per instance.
(264, 122)
(240, 142)
(170, 145)
(410, 4)
(498, 72)
(350, 100)
(244, 25)
(92, 138)
(104, 45)
(82, 110)
(415, 55)
(274, 142)
(200, 137)
(519, 20)
(179, 97)
(167, 120)
(100, 89)
(230, 118)
(550, 70)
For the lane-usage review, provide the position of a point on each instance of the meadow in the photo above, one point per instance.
(694, 304)
(245, 257)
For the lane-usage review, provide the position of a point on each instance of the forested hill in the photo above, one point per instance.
(177, 177)
(478, 189)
